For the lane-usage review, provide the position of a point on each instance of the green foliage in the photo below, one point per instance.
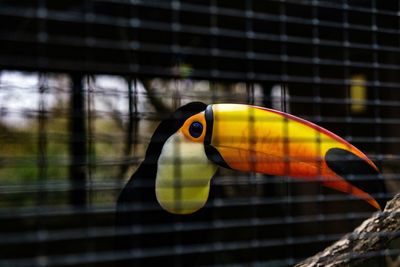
(31, 160)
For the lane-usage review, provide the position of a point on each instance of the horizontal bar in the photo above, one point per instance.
(54, 185)
(223, 32)
(163, 228)
(177, 250)
(230, 11)
(44, 211)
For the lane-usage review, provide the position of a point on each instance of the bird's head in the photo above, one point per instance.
(199, 138)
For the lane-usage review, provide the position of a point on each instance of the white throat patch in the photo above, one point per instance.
(183, 175)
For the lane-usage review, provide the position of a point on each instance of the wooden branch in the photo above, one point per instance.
(372, 236)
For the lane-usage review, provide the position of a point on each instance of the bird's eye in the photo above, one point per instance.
(196, 129)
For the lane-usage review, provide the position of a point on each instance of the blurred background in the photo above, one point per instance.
(83, 84)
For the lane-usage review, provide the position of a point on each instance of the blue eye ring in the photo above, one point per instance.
(196, 129)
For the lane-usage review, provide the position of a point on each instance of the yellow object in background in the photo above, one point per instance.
(358, 93)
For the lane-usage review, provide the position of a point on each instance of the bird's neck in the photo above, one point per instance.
(140, 187)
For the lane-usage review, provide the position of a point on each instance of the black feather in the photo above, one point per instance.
(137, 204)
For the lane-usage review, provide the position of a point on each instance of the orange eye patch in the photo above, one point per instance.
(194, 128)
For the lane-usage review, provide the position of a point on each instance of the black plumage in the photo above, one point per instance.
(137, 206)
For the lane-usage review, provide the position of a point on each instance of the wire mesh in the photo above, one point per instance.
(84, 84)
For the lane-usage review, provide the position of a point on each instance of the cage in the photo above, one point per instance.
(84, 85)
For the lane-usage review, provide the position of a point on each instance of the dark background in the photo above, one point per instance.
(335, 63)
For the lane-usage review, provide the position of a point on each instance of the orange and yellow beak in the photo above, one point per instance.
(255, 139)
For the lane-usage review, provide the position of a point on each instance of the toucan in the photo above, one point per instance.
(188, 147)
